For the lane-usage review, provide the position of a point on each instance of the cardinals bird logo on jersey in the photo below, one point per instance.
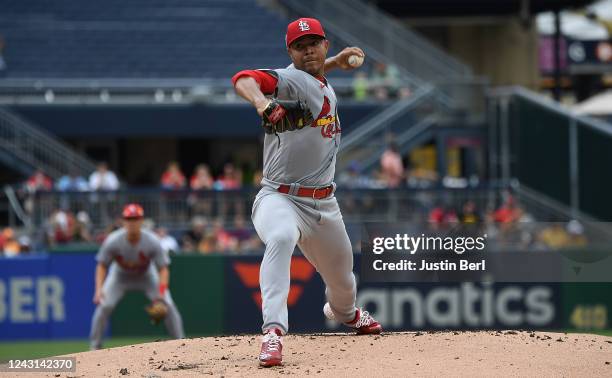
(140, 265)
(327, 122)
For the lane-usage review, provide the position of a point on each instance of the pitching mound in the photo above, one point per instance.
(339, 355)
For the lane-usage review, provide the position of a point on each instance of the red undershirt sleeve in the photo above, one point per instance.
(267, 82)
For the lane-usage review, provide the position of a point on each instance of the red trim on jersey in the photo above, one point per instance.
(267, 83)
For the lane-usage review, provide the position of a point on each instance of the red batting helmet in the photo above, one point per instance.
(302, 27)
(132, 211)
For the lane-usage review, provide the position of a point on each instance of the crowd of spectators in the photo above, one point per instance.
(105, 180)
(102, 179)
(173, 178)
(508, 226)
(63, 227)
(207, 237)
(219, 224)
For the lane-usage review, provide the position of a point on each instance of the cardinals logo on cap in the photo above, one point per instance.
(302, 27)
(132, 211)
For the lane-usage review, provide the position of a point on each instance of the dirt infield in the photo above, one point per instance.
(485, 353)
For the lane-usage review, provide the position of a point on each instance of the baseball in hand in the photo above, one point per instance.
(355, 60)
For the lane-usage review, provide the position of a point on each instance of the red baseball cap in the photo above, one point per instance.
(302, 27)
(132, 211)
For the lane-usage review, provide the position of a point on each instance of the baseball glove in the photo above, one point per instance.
(285, 115)
(157, 311)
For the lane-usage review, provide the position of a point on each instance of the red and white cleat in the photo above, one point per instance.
(364, 323)
(271, 348)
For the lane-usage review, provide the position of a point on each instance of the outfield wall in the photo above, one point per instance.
(50, 297)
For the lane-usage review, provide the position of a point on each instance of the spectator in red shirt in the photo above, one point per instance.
(440, 216)
(230, 179)
(201, 179)
(173, 178)
(61, 225)
(38, 182)
(508, 212)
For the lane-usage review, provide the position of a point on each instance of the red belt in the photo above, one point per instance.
(314, 193)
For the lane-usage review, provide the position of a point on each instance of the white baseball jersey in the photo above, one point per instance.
(129, 258)
(306, 156)
(132, 269)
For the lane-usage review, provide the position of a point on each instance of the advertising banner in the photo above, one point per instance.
(46, 296)
(398, 306)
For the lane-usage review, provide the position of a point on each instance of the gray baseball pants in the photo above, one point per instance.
(316, 226)
(115, 286)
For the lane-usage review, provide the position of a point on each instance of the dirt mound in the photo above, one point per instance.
(487, 353)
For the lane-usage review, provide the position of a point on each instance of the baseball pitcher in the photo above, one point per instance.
(132, 259)
(296, 205)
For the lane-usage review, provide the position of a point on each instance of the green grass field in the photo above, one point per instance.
(604, 332)
(38, 349)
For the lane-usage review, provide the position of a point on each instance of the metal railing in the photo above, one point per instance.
(385, 39)
(179, 211)
(32, 147)
(377, 121)
(158, 91)
(178, 207)
(400, 120)
(15, 208)
(405, 140)
(551, 150)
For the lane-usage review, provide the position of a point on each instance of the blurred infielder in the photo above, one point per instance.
(296, 204)
(137, 263)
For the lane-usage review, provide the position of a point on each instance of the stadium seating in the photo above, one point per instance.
(139, 38)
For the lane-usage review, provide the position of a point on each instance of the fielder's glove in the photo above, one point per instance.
(157, 311)
(285, 115)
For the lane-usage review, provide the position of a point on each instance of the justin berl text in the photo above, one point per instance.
(443, 265)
